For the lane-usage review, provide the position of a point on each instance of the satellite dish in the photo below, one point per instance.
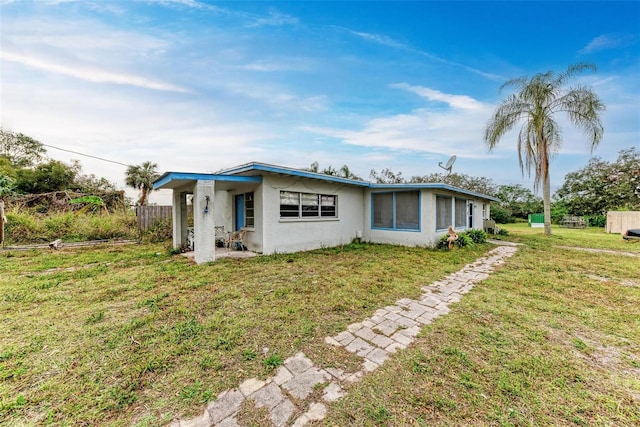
(449, 164)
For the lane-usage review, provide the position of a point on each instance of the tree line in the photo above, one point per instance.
(26, 169)
(591, 191)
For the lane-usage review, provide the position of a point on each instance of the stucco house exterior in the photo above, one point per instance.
(288, 210)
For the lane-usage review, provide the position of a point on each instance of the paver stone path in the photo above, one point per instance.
(375, 340)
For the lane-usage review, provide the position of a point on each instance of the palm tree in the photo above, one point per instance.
(535, 104)
(141, 178)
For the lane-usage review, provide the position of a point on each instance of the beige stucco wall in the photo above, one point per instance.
(619, 222)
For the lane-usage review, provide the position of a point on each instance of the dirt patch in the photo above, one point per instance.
(623, 282)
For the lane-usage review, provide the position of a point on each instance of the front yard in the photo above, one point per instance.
(133, 335)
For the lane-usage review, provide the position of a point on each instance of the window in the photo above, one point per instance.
(249, 216)
(289, 204)
(382, 210)
(461, 212)
(307, 205)
(396, 210)
(443, 212)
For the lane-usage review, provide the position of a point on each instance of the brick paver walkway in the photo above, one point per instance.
(375, 339)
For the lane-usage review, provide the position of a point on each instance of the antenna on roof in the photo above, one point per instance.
(449, 164)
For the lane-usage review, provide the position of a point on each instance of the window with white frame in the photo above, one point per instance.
(461, 212)
(443, 212)
(397, 210)
(249, 212)
(307, 205)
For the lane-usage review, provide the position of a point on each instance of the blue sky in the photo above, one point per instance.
(198, 86)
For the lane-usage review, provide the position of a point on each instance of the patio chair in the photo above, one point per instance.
(236, 238)
(220, 236)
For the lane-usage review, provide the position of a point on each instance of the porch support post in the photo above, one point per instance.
(179, 218)
(203, 223)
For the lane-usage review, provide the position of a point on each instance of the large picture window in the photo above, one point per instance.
(307, 205)
(443, 212)
(461, 212)
(398, 210)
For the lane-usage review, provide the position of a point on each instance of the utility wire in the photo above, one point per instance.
(86, 155)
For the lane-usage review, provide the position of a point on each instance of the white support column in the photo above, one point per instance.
(203, 222)
(179, 218)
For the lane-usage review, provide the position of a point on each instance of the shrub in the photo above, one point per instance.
(501, 215)
(596, 220)
(160, 231)
(476, 235)
(463, 240)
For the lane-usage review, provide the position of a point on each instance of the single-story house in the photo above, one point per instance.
(288, 210)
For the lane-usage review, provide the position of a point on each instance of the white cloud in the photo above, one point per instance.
(455, 129)
(274, 19)
(606, 42)
(388, 41)
(89, 73)
(463, 102)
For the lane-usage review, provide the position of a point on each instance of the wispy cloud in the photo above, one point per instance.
(90, 74)
(463, 102)
(274, 19)
(388, 41)
(280, 64)
(452, 128)
(607, 42)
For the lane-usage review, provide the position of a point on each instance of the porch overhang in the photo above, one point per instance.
(184, 180)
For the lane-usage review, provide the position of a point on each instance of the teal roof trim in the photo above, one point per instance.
(186, 176)
(294, 172)
(233, 175)
(431, 186)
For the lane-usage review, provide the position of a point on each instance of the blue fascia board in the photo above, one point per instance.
(263, 167)
(167, 177)
(233, 175)
(427, 185)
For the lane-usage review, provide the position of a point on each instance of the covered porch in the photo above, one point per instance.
(213, 206)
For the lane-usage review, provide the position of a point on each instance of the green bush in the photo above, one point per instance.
(160, 231)
(463, 240)
(596, 220)
(476, 235)
(501, 215)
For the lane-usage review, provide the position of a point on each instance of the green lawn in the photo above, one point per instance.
(132, 335)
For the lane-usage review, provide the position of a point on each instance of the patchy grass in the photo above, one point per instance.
(552, 338)
(590, 237)
(131, 335)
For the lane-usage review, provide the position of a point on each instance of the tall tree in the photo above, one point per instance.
(141, 178)
(386, 176)
(536, 103)
(520, 200)
(601, 186)
(50, 176)
(21, 150)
